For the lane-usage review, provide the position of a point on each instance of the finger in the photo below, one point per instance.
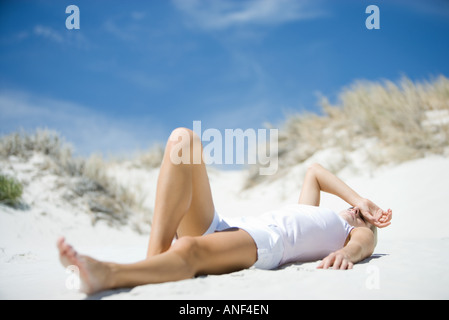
(337, 262)
(384, 225)
(381, 224)
(377, 224)
(344, 264)
(328, 261)
(386, 218)
(389, 215)
(378, 214)
(350, 265)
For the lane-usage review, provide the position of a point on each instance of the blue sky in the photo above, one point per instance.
(137, 69)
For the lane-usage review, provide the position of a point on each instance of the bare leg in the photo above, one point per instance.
(184, 207)
(217, 253)
(184, 204)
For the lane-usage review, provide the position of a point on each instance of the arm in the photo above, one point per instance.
(360, 246)
(319, 179)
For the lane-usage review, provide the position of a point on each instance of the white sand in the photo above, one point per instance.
(410, 261)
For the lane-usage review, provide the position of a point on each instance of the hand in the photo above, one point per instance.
(385, 218)
(339, 260)
(375, 215)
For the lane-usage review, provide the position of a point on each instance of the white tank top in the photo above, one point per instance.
(309, 233)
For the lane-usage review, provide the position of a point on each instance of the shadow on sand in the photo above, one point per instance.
(365, 261)
(107, 293)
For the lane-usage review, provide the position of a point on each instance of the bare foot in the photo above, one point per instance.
(93, 273)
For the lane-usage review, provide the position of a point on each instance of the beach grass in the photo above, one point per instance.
(86, 178)
(392, 122)
(10, 190)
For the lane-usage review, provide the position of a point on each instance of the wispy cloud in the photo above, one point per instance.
(74, 39)
(48, 33)
(88, 130)
(126, 26)
(223, 14)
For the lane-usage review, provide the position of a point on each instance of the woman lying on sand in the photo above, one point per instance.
(189, 238)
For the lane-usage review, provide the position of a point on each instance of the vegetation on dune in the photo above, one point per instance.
(86, 179)
(10, 190)
(399, 121)
(388, 122)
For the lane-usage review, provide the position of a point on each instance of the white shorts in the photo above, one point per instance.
(267, 236)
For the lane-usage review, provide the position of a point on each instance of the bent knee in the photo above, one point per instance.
(180, 132)
(185, 244)
(314, 168)
(184, 146)
(187, 249)
(183, 138)
(185, 134)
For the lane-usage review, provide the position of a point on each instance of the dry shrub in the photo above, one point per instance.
(152, 158)
(408, 120)
(395, 114)
(47, 142)
(87, 179)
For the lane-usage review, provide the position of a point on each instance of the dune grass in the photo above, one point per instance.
(10, 190)
(398, 121)
(23, 145)
(390, 122)
(86, 179)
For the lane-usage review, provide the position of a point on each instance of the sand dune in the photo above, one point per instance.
(410, 261)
